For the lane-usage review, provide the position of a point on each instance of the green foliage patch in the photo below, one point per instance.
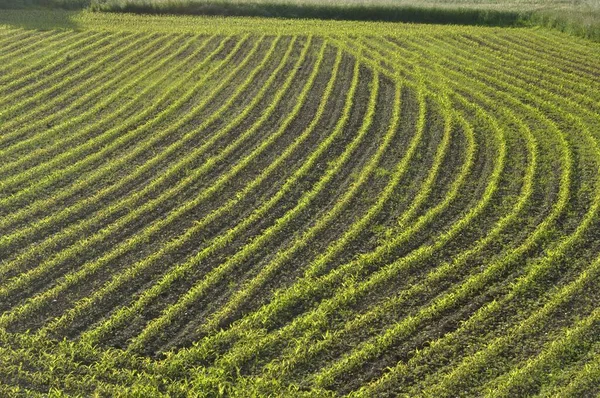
(244, 207)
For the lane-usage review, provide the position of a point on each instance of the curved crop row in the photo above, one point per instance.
(297, 209)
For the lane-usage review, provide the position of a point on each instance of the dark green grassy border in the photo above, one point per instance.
(358, 12)
(579, 22)
(61, 4)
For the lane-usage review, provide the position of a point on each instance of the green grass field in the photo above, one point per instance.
(578, 17)
(204, 206)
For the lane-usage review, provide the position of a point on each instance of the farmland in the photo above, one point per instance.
(245, 207)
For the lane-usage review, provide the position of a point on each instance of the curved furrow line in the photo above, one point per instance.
(217, 273)
(310, 319)
(23, 44)
(573, 120)
(34, 42)
(447, 269)
(253, 220)
(583, 383)
(178, 272)
(395, 304)
(541, 68)
(44, 65)
(578, 46)
(367, 350)
(135, 269)
(479, 261)
(268, 271)
(527, 377)
(269, 309)
(150, 164)
(210, 341)
(167, 280)
(556, 91)
(312, 282)
(319, 265)
(480, 247)
(521, 78)
(14, 36)
(556, 249)
(130, 244)
(180, 102)
(12, 232)
(33, 210)
(520, 288)
(21, 134)
(140, 122)
(573, 370)
(533, 324)
(21, 159)
(25, 81)
(35, 105)
(300, 352)
(515, 334)
(82, 245)
(424, 193)
(410, 324)
(551, 91)
(553, 50)
(543, 73)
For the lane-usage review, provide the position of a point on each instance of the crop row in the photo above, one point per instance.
(402, 213)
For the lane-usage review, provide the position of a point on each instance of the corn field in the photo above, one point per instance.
(251, 207)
